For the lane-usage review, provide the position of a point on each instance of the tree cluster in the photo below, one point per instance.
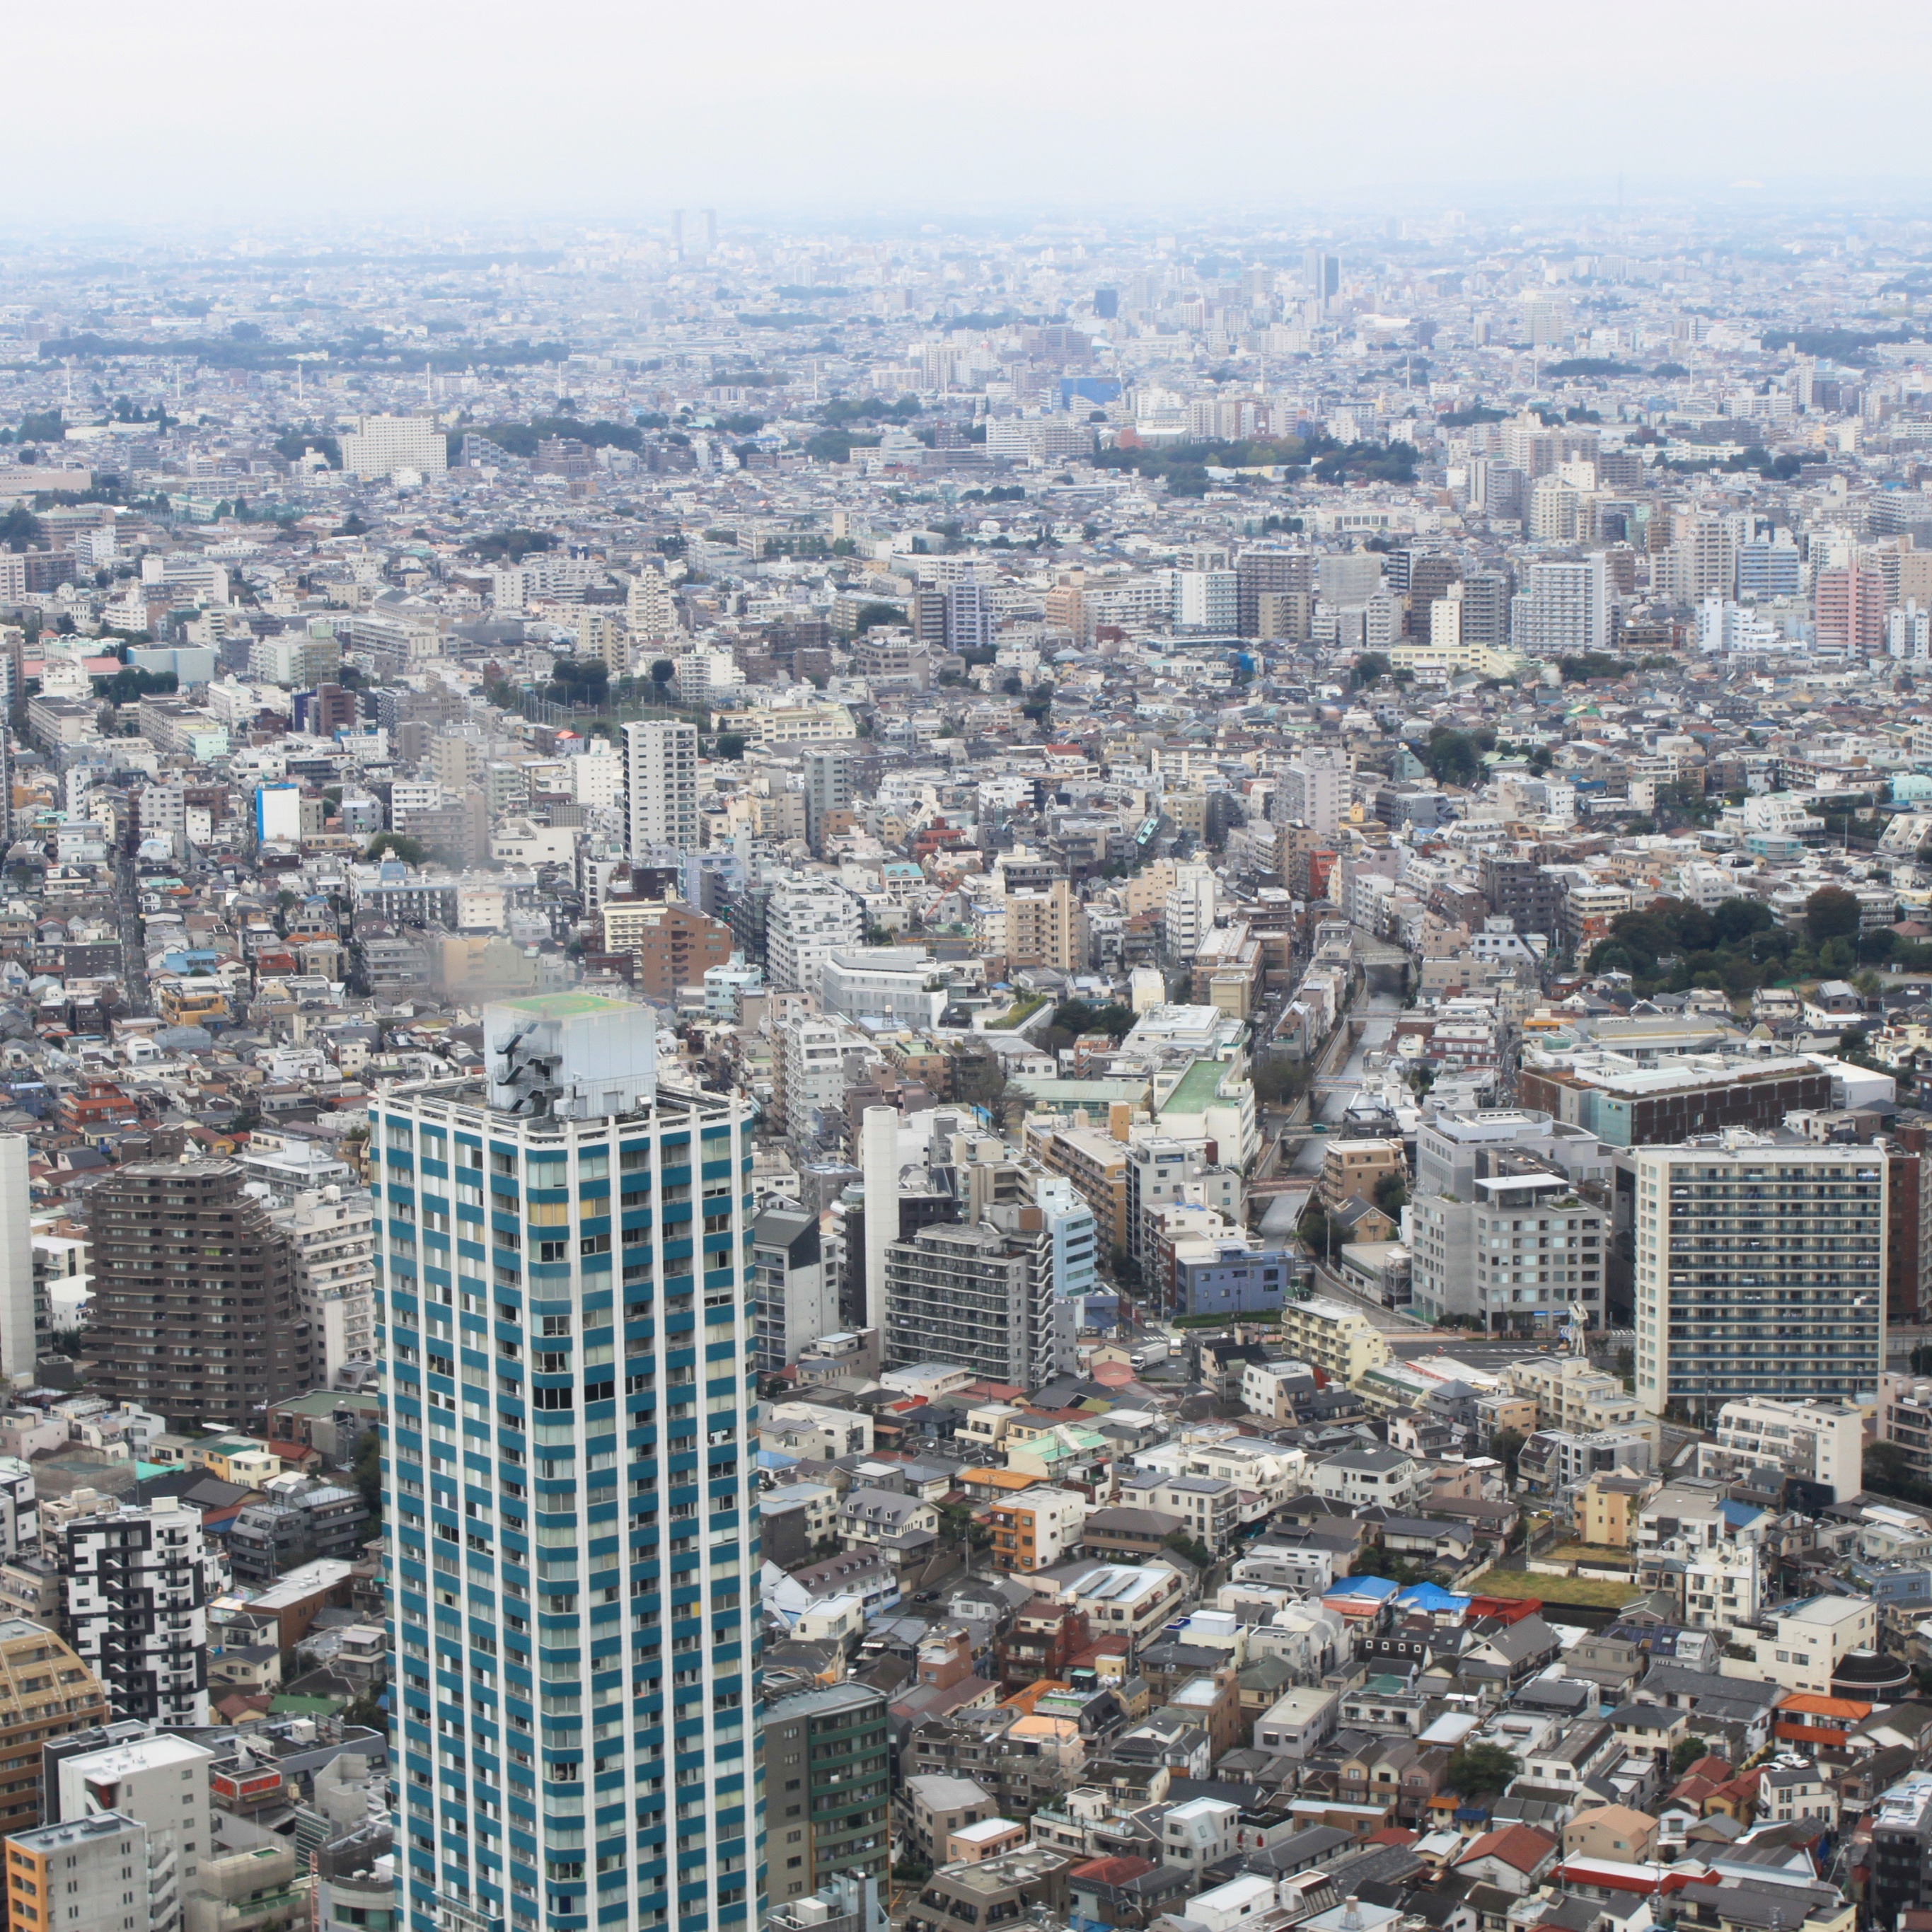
(1737, 946)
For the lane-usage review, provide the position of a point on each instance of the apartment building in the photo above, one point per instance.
(1819, 1443)
(1334, 1337)
(604, 1218)
(827, 1754)
(1759, 1265)
(1036, 1529)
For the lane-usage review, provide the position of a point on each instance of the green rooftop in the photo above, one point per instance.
(566, 1006)
(1198, 1088)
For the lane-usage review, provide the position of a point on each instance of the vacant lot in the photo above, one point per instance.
(1554, 1589)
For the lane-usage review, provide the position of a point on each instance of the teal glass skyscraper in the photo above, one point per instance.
(568, 1483)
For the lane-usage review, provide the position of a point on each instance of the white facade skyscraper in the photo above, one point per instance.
(1760, 1271)
(568, 1484)
(660, 788)
(1565, 609)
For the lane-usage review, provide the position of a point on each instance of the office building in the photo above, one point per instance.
(827, 1763)
(1760, 1271)
(193, 1311)
(46, 1692)
(569, 1330)
(1619, 1100)
(161, 1783)
(138, 1580)
(660, 789)
(90, 1872)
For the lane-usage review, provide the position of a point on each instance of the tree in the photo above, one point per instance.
(398, 845)
(1481, 1771)
(870, 614)
(1685, 1752)
(1197, 1553)
(1830, 913)
(369, 1471)
(1506, 1445)
(1888, 1472)
(1392, 1193)
(729, 745)
(1452, 758)
(662, 671)
(1367, 668)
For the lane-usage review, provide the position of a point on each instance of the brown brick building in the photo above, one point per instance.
(672, 944)
(194, 1311)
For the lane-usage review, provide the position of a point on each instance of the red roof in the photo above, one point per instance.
(1112, 1871)
(1521, 1846)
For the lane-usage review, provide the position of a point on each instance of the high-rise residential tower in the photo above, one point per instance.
(1760, 1270)
(660, 788)
(138, 1583)
(194, 1309)
(569, 1481)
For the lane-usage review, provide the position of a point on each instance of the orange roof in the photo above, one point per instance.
(1848, 1708)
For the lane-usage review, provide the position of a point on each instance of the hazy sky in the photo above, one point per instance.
(214, 109)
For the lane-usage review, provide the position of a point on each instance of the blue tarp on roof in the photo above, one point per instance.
(1378, 1587)
(1433, 1598)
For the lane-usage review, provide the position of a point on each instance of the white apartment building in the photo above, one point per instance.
(1526, 1253)
(649, 609)
(1206, 600)
(899, 983)
(1760, 1270)
(1565, 609)
(809, 1073)
(161, 1782)
(660, 788)
(90, 1872)
(1809, 1641)
(596, 775)
(807, 922)
(332, 1242)
(381, 445)
(1819, 1442)
(1315, 791)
